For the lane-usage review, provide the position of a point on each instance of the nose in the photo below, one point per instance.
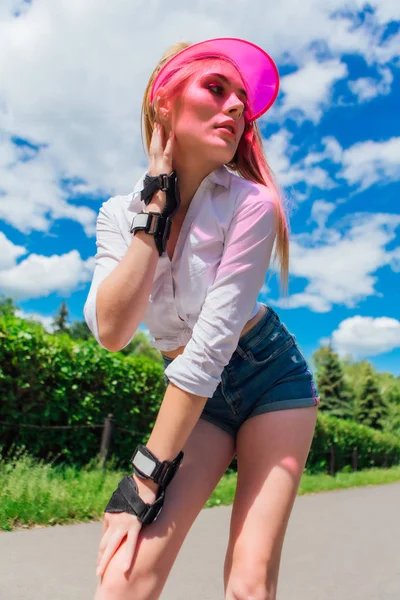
(234, 106)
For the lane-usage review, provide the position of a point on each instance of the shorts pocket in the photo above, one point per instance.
(270, 348)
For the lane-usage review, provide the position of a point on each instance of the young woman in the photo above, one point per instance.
(237, 382)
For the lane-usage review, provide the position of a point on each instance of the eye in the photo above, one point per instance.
(216, 89)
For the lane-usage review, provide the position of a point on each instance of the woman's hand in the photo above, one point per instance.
(160, 162)
(160, 151)
(118, 526)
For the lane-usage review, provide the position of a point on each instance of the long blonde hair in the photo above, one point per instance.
(249, 161)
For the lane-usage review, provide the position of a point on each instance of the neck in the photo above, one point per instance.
(190, 175)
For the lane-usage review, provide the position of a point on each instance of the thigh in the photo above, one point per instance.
(208, 453)
(272, 450)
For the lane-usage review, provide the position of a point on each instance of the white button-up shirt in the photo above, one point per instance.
(203, 297)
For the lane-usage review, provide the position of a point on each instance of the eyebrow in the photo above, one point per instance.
(226, 80)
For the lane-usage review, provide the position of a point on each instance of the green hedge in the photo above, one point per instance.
(341, 438)
(50, 380)
(53, 380)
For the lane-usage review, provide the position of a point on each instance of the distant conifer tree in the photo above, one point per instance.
(371, 407)
(336, 396)
(60, 323)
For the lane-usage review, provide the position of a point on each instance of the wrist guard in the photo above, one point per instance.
(158, 224)
(147, 466)
(126, 499)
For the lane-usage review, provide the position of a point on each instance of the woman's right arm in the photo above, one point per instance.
(123, 296)
(123, 277)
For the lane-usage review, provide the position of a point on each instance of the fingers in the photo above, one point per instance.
(110, 547)
(105, 526)
(161, 150)
(130, 547)
(156, 143)
(103, 542)
(169, 146)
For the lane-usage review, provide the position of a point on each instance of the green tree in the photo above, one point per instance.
(79, 330)
(7, 306)
(336, 396)
(140, 345)
(391, 421)
(371, 407)
(60, 323)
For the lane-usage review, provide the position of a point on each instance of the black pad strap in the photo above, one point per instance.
(126, 499)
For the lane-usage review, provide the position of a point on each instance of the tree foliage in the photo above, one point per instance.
(335, 393)
(371, 408)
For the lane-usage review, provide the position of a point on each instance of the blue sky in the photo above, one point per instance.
(69, 139)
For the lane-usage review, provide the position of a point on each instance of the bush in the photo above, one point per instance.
(48, 380)
(374, 448)
(53, 380)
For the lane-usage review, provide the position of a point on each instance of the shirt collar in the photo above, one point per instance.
(220, 176)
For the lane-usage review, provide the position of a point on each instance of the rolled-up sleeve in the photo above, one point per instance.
(230, 299)
(111, 247)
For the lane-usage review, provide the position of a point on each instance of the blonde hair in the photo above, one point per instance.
(249, 161)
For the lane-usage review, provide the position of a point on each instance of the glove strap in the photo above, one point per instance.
(126, 499)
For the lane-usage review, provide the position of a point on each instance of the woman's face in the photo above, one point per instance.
(208, 118)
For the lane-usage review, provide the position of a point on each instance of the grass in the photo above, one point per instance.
(33, 493)
(312, 484)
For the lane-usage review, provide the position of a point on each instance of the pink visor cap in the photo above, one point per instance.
(257, 69)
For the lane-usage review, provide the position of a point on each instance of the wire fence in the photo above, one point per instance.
(108, 426)
(331, 455)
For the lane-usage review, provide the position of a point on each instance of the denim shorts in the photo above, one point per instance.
(267, 372)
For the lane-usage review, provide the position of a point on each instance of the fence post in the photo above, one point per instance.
(332, 461)
(385, 461)
(354, 459)
(106, 438)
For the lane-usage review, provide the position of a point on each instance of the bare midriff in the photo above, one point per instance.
(246, 328)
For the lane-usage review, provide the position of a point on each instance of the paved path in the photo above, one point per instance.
(341, 545)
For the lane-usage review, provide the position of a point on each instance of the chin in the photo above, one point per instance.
(221, 155)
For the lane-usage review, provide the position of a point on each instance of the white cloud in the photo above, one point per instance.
(341, 265)
(9, 252)
(366, 336)
(385, 10)
(312, 301)
(309, 89)
(362, 165)
(367, 88)
(367, 163)
(34, 197)
(279, 149)
(38, 276)
(332, 152)
(72, 76)
(320, 212)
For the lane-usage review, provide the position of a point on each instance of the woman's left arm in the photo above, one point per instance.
(178, 414)
(241, 274)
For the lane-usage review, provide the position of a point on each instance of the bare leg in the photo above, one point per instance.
(272, 450)
(208, 453)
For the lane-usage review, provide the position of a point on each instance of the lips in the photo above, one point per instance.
(229, 126)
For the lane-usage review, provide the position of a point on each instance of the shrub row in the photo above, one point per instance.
(48, 380)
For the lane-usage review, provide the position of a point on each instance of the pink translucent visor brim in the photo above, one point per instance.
(257, 69)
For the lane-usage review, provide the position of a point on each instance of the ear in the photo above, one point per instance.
(162, 107)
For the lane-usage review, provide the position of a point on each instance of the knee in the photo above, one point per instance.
(249, 584)
(248, 590)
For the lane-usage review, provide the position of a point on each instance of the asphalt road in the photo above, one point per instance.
(341, 545)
